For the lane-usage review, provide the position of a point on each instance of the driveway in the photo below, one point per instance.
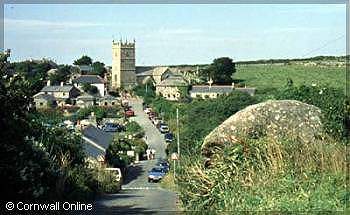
(137, 195)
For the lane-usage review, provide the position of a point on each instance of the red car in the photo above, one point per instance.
(129, 113)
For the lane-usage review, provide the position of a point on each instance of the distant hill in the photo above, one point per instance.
(271, 61)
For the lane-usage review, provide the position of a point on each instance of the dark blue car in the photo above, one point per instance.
(164, 164)
(113, 127)
(156, 174)
(169, 137)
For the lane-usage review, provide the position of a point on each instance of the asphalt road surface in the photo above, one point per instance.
(138, 196)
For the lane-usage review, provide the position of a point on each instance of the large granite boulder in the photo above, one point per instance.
(274, 118)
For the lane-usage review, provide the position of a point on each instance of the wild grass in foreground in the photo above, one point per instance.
(265, 175)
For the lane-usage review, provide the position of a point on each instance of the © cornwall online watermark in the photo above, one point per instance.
(54, 206)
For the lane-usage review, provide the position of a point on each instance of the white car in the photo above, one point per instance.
(156, 120)
(147, 110)
(164, 128)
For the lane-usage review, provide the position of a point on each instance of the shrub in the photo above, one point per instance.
(331, 101)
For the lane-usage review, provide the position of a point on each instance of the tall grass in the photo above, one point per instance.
(265, 174)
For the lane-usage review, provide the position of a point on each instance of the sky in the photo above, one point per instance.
(174, 34)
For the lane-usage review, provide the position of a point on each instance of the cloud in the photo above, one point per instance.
(19, 24)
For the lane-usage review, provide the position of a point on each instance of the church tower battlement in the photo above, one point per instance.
(123, 65)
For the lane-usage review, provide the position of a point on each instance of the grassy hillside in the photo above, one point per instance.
(265, 77)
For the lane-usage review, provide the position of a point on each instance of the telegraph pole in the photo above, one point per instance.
(178, 133)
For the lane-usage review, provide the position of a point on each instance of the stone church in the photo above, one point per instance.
(125, 74)
(123, 65)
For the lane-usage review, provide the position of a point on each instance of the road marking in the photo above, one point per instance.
(139, 188)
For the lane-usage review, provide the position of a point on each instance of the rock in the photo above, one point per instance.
(279, 119)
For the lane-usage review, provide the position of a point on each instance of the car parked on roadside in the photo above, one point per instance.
(156, 174)
(151, 115)
(163, 164)
(129, 113)
(113, 127)
(163, 128)
(169, 137)
(156, 120)
(147, 110)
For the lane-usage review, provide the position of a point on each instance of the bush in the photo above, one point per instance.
(331, 101)
(116, 153)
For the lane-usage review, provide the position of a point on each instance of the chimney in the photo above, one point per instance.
(62, 84)
(48, 83)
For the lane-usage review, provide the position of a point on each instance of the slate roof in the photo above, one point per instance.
(46, 97)
(212, 89)
(173, 81)
(57, 88)
(220, 89)
(141, 69)
(89, 79)
(108, 97)
(86, 97)
(87, 68)
(145, 73)
(93, 151)
(158, 71)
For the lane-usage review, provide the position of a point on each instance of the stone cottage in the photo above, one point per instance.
(172, 88)
(44, 101)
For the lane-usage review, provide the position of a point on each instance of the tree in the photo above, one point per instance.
(61, 75)
(98, 68)
(90, 88)
(84, 60)
(220, 71)
(36, 162)
(115, 153)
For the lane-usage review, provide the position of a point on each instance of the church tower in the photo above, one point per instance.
(123, 65)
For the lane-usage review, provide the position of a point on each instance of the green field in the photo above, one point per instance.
(275, 76)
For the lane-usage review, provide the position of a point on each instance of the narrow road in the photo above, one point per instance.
(137, 195)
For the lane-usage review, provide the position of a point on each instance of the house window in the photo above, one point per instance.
(41, 104)
(106, 103)
(63, 94)
(113, 103)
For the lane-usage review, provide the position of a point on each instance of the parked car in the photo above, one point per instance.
(152, 115)
(112, 127)
(148, 110)
(156, 174)
(156, 120)
(169, 137)
(158, 123)
(163, 128)
(164, 164)
(125, 103)
(129, 113)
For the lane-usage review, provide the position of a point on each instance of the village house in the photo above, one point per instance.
(93, 80)
(62, 93)
(154, 75)
(44, 101)
(213, 91)
(85, 69)
(172, 88)
(85, 100)
(107, 101)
